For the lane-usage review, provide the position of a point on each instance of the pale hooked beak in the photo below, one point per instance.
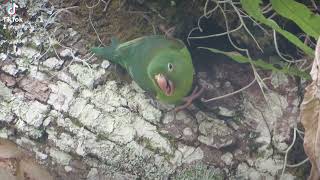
(164, 84)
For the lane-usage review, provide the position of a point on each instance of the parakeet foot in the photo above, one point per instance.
(189, 99)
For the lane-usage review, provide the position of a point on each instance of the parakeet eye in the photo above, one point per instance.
(170, 67)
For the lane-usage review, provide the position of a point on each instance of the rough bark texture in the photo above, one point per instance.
(81, 121)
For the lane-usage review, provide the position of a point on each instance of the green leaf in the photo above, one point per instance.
(300, 14)
(261, 64)
(252, 7)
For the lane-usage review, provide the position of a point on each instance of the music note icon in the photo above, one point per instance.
(11, 9)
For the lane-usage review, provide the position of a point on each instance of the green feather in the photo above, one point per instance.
(107, 52)
(147, 56)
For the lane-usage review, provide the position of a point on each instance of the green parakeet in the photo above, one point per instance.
(159, 65)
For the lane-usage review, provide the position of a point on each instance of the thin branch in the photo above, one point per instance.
(298, 164)
(95, 5)
(314, 5)
(277, 49)
(287, 152)
(90, 13)
(55, 14)
(244, 25)
(216, 35)
(254, 21)
(267, 8)
(230, 94)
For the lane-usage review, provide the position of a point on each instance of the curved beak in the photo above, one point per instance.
(164, 84)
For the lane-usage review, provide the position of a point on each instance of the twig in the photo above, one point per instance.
(106, 5)
(150, 22)
(257, 76)
(277, 49)
(216, 35)
(267, 8)
(314, 5)
(298, 164)
(254, 21)
(90, 12)
(52, 40)
(95, 5)
(295, 130)
(244, 25)
(55, 14)
(272, 15)
(257, 79)
(230, 94)
(205, 9)
(287, 152)
(90, 7)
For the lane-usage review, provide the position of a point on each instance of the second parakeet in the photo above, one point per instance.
(159, 65)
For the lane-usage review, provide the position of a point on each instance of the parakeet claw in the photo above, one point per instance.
(189, 99)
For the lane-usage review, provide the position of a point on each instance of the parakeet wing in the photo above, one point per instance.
(135, 55)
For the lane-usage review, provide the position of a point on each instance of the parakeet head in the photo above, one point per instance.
(172, 74)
